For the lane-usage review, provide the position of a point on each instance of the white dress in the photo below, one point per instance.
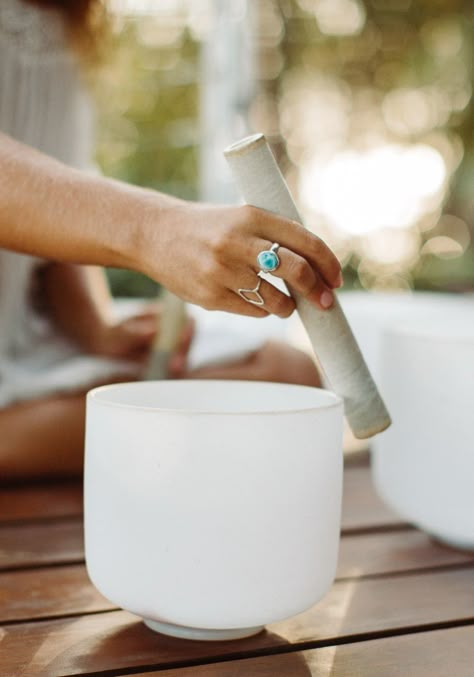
(43, 103)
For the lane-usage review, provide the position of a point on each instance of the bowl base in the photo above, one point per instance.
(202, 634)
(466, 546)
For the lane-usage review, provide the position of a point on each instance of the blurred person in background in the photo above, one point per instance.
(58, 335)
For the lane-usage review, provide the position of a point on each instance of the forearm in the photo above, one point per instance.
(53, 211)
(202, 253)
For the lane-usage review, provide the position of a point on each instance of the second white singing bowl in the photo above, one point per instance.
(370, 312)
(424, 465)
(211, 507)
(420, 348)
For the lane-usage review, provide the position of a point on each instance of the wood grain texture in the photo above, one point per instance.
(40, 501)
(60, 543)
(392, 552)
(53, 591)
(362, 509)
(29, 545)
(56, 623)
(351, 610)
(443, 653)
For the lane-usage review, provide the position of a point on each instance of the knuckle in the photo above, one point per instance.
(280, 305)
(302, 275)
(318, 247)
(333, 268)
(323, 253)
(248, 213)
(221, 242)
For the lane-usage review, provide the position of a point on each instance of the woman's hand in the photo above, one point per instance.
(130, 339)
(202, 253)
(205, 254)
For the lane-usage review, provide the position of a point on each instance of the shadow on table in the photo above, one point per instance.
(126, 643)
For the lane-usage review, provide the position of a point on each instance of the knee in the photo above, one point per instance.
(283, 363)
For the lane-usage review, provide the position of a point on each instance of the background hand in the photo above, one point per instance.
(130, 339)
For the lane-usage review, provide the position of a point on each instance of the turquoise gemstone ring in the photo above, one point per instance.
(268, 259)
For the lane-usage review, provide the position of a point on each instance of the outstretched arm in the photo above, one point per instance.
(202, 253)
(56, 212)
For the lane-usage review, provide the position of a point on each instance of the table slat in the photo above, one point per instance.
(38, 544)
(53, 591)
(427, 654)
(392, 552)
(362, 509)
(40, 501)
(352, 609)
(62, 543)
(29, 545)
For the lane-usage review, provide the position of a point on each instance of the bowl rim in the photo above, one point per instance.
(427, 333)
(333, 400)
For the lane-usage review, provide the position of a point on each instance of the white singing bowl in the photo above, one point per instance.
(423, 466)
(369, 313)
(212, 507)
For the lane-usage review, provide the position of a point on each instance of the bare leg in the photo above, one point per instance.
(45, 437)
(42, 437)
(275, 361)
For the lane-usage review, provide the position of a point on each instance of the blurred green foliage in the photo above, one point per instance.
(391, 71)
(147, 100)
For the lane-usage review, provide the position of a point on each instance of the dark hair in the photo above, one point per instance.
(85, 22)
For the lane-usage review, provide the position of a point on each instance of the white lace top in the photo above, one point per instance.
(43, 104)
(41, 100)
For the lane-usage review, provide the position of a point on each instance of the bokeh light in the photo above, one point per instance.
(368, 105)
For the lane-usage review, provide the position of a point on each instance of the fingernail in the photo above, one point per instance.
(339, 280)
(326, 299)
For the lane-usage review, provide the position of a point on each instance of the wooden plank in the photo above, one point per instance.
(382, 604)
(392, 552)
(61, 543)
(356, 609)
(34, 544)
(104, 642)
(361, 507)
(54, 591)
(40, 501)
(28, 545)
(427, 654)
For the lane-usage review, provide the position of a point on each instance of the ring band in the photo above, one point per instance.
(268, 259)
(257, 299)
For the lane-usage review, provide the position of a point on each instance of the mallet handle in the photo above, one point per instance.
(262, 185)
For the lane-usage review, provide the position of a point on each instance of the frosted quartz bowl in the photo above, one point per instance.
(212, 507)
(423, 466)
(369, 313)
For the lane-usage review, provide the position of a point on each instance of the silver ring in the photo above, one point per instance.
(245, 294)
(268, 259)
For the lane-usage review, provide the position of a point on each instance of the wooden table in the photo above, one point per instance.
(401, 605)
